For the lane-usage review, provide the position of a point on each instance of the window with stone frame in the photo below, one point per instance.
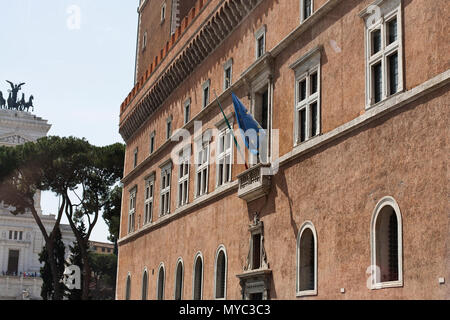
(384, 51)
(128, 288)
(198, 278)
(227, 74)
(183, 179)
(307, 96)
(169, 127)
(202, 168)
(166, 175)
(260, 47)
(160, 282)
(132, 211)
(144, 41)
(163, 11)
(144, 285)
(386, 245)
(306, 9)
(224, 157)
(179, 280)
(187, 110)
(221, 273)
(135, 157)
(152, 142)
(149, 195)
(307, 260)
(206, 88)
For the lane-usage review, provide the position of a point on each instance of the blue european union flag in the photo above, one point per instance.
(250, 128)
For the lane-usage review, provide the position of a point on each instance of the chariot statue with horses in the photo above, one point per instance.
(12, 103)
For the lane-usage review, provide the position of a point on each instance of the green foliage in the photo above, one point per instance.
(104, 268)
(75, 258)
(111, 213)
(48, 288)
(64, 166)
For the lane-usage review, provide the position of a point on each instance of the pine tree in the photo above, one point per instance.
(48, 290)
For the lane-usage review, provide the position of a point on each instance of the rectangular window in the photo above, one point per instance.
(376, 41)
(13, 262)
(392, 31)
(187, 110)
(132, 211)
(169, 128)
(260, 46)
(202, 169)
(306, 8)
(377, 80)
(15, 235)
(20, 235)
(166, 173)
(227, 74)
(260, 37)
(308, 106)
(10, 234)
(183, 180)
(393, 73)
(384, 52)
(152, 142)
(135, 159)
(163, 12)
(224, 157)
(206, 94)
(144, 41)
(256, 251)
(149, 193)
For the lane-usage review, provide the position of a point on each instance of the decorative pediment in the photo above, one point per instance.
(14, 139)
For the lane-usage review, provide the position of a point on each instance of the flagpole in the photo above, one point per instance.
(231, 129)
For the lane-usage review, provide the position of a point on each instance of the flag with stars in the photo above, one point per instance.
(246, 122)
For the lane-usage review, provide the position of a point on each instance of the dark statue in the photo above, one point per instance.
(12, 103)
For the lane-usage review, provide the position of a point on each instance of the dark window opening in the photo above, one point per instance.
(307, 9)
(198, 279)
(13, 262)
(220, 276)
(307, 261)
(256, 251)
(377, 82)
(393, 73)
(179, 282)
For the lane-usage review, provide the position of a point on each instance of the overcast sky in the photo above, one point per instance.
(77, 59)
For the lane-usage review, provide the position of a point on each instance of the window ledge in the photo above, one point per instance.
(307, 293)
(388, 284)
(381, 103)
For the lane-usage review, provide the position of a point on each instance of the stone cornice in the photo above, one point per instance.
(226, 18)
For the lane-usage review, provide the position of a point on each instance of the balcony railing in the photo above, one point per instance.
(253, 184)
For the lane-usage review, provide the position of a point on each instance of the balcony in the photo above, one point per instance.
(253, 184)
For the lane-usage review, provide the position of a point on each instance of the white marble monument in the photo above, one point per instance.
(21, 240)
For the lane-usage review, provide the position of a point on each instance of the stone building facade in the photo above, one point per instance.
(21, 240)
(354, 96)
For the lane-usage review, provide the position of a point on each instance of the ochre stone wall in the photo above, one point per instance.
(402, 155)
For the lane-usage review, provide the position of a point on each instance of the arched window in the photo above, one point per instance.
(128, 287)
(179, 280)
(160, 285)
(307, 260)
(220, 273)
(198, 277)
(386, 244)
(144, 285)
